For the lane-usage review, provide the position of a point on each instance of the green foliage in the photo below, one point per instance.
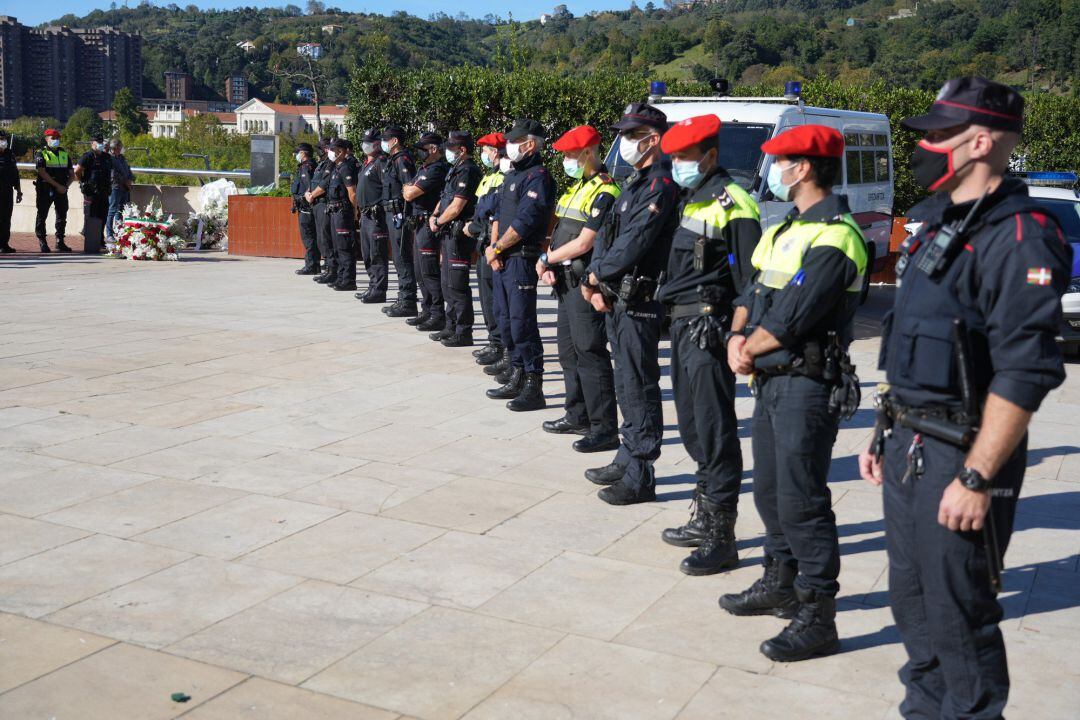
(130, 120)
(83, 124)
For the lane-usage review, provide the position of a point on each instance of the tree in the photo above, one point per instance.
(83, 124)
(130, 120)
(315, 7)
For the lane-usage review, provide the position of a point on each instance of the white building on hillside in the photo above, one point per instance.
(258, 116)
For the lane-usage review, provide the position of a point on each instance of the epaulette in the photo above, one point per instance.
(605, 179)
(726, 201)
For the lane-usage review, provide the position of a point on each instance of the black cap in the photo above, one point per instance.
(641, 115)
(371, 135)
(98, 138)
(392, 131)
(430, 138)
(460, 137)
(340, 143)
(972, 100)
(524, 127)
(305, 147)
(324, 142)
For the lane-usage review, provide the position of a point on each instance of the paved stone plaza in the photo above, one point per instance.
(223, 480)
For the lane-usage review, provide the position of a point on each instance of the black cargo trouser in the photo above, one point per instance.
(704, 388)
(374, 240)
(7, 206)
(634, 334)
(428, 271)
(343, 223)
(310, 237)
(939, 586)
(586, 363)
(456, 261)
(793, 436)
(47, 197)
(95, 210)
(485, 282)
(324, 234)
(401, 240)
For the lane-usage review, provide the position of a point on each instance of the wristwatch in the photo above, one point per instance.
(972, 479)
(728, 335)
(543, 259)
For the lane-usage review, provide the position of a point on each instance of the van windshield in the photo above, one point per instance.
(740, 153)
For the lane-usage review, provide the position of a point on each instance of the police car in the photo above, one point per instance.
(1056, 192)
(747, 122)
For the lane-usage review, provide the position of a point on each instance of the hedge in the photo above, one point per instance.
(482, 100)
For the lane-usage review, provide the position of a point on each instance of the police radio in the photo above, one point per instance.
(941, 250)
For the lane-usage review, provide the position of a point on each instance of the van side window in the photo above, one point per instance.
(866, 158)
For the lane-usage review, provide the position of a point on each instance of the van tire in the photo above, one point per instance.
(871, 258)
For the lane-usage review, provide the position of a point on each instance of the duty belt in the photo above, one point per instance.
(941, 422)
(691, 310)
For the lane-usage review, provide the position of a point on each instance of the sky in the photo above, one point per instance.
(34, 13)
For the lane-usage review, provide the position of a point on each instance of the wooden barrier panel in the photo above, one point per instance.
(263, 226)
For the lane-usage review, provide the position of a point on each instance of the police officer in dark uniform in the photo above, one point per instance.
(316, 197)
(582, 338)
(630, 257)
(54, 176)
(341, 196)
(525, 207)
(397, 173)
(422, 194)
(708, 267)
(791, 330)
(969, 354)
(9, 183)
(458, 201)
(374, 235)
(301, 185)
(94, 173)
(492, 152)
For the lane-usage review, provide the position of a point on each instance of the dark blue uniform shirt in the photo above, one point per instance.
(302, 182)
(370, 187)
(430, 179)
(344, 176)
(461, 182)
(397, 173)
(1005, 285)
(528, 199)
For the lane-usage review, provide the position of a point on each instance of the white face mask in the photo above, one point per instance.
(368, 147)
(332, 154)
(385, 145)
(630, 150)
(513, 151)
(505, 166)
(54, 143)
(451, 156)
(3, 144)
(299, 157)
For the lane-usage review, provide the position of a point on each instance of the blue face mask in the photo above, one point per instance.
(384, 145)
(573, 168)
(486, 159)
(451, 156)
(779, 189)
(686, 173)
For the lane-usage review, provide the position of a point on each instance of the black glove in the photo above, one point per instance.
(706, 332)
(846, 396)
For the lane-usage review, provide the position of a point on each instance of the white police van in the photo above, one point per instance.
(747, 122)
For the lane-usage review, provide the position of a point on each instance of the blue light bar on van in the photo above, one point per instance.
(1062, 177)
(792, 89)
(658, 87)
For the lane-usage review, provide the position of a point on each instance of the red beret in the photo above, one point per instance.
(495, 139)
(578, 138)
(811, 140)
(51, 132)
(689, 132)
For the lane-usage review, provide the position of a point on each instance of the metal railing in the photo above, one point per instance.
(183, 172)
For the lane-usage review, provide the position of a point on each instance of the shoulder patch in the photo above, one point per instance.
(532, 194)
(726, 201)
(605, 178)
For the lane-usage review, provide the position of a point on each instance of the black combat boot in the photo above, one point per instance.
(504, 376)
(717, 551)
(606, 475)
(811, 633)
(597, 442)
(62, 246)
(510, 389)
(444, 334)
(6, 249)
(499, 366)
(343, 287)
(306, 271)
(531, 396)
(620, 493)
(402, 308)
(372, 298)
(489, 355)
(486, 349)
(326, 278)
(693, 532)
(563, 426)
(772, 594)
(420, 319)
(433, 323)
(462, 340)
(43, 246)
